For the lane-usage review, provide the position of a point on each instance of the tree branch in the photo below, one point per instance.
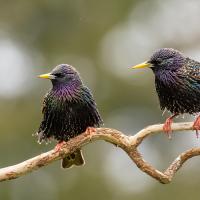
(128, 143)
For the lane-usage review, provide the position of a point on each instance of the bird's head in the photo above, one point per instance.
(163, 59)
(62, 74)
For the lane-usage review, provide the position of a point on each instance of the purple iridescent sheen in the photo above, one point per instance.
(177, 80)
(69, 107)
(68, 91)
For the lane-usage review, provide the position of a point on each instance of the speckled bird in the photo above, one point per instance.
(68, 110)
(177, 81)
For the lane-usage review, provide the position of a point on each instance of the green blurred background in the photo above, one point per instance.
(102, 39)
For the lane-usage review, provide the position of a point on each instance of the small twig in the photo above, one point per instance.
(128, 143)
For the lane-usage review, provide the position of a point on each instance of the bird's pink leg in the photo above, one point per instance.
(196, 126)
(167, 126)
(90, 130)
(59, 146)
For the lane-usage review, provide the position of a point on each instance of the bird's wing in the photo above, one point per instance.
(40, 133)
(49, 115)
(192, 70)
(189, 76)
(44, 104)
(91, 105)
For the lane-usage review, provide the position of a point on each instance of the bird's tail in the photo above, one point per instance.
(75, 158)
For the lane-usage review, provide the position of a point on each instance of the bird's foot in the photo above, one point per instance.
(59, 146)
(167, 126)
(90, 130)
(196, 126)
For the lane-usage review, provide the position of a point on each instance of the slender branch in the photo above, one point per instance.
(128, 143)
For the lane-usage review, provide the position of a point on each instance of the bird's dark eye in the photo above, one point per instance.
(156, 61)
(58, 75)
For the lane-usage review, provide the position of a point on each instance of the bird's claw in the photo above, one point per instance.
(197, 134)
(90, 130)
(196, 126)
(59, 146)
(167, 127)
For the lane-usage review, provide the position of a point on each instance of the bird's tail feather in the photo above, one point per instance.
(75, 158)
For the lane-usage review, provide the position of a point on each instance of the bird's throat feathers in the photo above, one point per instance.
(169, 73)
(67, 91)
(167, 78)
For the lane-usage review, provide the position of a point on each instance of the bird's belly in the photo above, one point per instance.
(179, 100)
(67, 123)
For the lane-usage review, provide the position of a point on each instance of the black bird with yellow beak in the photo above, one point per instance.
(68, 110)
(177, 81)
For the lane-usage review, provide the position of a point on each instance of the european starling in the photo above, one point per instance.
(68, 110)
(177, 81)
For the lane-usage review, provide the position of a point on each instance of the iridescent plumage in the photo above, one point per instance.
(177, 81)
(68, 109)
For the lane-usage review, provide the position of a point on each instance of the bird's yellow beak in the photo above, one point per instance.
(142, 65)
(47, 76)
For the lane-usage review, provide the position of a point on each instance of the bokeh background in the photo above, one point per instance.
(102, 39)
